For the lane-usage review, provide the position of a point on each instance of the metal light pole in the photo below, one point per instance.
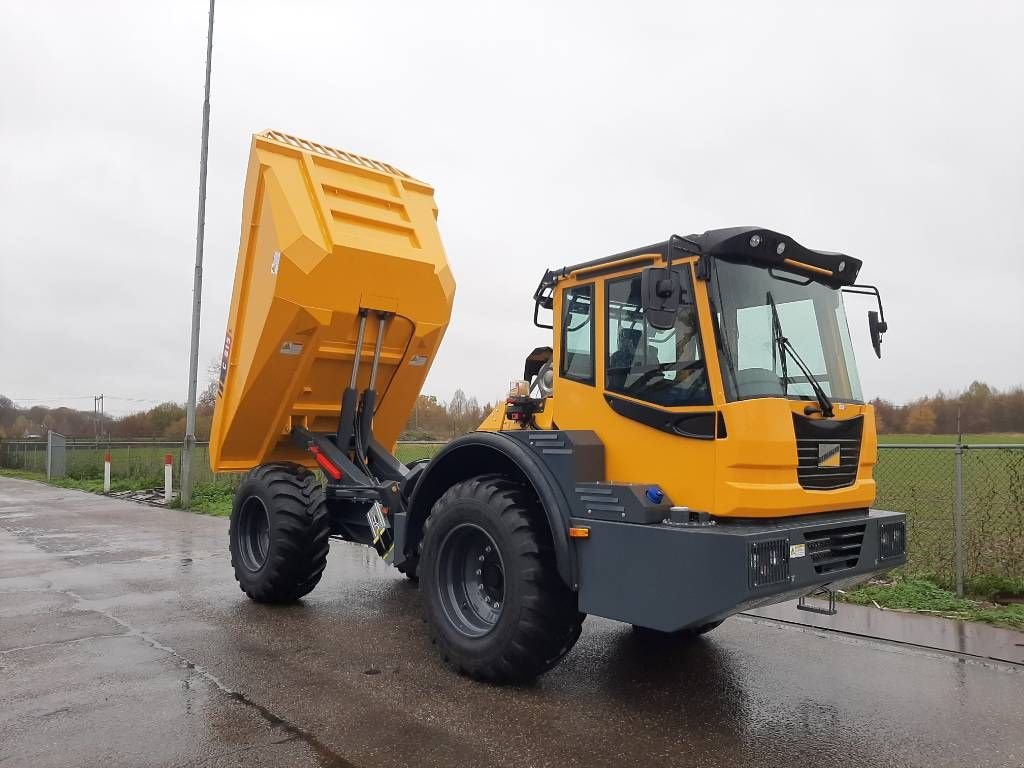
(197, 287)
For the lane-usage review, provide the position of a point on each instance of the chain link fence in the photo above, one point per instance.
(138, 463)
(964, 507)
(960, 531)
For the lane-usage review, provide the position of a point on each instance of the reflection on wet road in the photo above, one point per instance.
(124, 641)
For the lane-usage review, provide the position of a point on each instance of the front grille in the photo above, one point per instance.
(835, 549)
(769, 562)
(827, 451)
(892, 539)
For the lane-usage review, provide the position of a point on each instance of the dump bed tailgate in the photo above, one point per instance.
(325, 235)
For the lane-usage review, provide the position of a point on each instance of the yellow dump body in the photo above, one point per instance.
(325, 234)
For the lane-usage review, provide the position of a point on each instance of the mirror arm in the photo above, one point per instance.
(868, 290)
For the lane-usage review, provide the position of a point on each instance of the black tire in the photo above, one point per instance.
(279, 533)
(512, 618)
(682, 635)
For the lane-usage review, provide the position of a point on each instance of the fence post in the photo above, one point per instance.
(106, 472)
(958, 516)
(168, 474)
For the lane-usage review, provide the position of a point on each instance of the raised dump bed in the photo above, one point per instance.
(325, 235)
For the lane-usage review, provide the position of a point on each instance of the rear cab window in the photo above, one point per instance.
(577, 354)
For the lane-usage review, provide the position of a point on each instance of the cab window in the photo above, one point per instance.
(663, 367)
(578, 333)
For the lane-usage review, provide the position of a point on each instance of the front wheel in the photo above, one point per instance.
(496, 606)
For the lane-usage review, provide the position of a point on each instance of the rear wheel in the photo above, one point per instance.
(279, 533)
(496, 607)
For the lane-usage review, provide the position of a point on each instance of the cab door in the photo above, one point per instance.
(646, 392)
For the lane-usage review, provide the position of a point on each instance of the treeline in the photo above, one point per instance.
(431, 419)
(165, 421)
(981, 408)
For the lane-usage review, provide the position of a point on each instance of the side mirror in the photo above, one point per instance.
(877, 328)
(660, 293)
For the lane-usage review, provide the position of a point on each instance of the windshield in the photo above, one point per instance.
(809, 315)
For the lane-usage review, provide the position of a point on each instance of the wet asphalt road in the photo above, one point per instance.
(124, 641)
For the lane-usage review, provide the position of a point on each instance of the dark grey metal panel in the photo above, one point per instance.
(626, 503)
(668, 577)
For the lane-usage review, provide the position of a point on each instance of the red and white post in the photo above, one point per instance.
(106, 473)
(167, 477)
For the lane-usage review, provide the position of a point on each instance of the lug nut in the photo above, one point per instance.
(478, 571)
(481, 558)
(487, 548)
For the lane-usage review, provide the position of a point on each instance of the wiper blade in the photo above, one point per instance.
(785, 345)
(778, 343)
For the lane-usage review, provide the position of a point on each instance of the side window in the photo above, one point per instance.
(578, 333)
(663, 367)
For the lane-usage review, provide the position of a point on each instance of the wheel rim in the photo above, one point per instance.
(471, 580)
(253, 533)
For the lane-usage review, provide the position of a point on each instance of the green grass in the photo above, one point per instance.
(988, 438)
(141, 464)
(406, 453)
(211, 499)
(207, 498)
(924, 595)
(93, 485)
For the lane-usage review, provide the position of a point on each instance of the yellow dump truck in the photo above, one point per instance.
(693, 443)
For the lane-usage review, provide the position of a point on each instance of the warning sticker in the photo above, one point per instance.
(797, 550)
(224, 358)
(418, 360)
(291, 348)
(275, 263)
(375, 517)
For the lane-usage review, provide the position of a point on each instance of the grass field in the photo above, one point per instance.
(926, 596)
(1016, 438)
(921, 483)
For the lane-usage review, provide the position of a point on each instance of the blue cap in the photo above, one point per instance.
(655, 495)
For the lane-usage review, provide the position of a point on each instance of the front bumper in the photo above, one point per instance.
(669, 577)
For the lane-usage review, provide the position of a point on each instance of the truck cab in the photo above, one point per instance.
(713, 403)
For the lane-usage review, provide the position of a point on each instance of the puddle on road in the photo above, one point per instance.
(16, 515)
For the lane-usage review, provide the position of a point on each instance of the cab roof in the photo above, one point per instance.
(753, 245)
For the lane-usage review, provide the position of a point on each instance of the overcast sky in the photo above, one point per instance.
(552, 132)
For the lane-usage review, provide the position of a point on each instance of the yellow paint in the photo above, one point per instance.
(351, 233)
